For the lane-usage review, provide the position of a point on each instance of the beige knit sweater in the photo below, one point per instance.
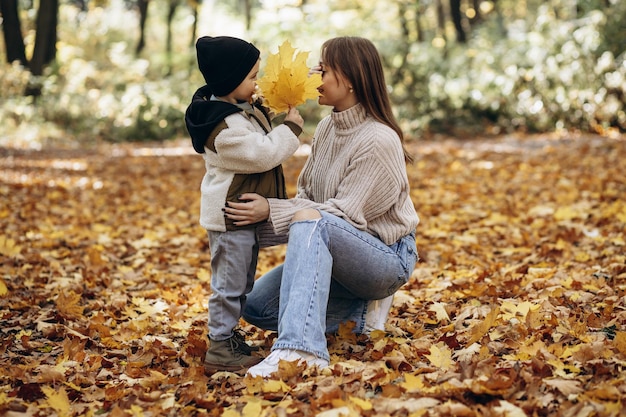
(356, 171)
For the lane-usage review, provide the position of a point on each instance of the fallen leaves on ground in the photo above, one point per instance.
(518, 306)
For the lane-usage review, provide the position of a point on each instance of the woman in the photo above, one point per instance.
(351, 225)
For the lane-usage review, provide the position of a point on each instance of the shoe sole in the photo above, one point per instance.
(211, 368)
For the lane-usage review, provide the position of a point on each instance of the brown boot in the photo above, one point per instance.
(228, 355)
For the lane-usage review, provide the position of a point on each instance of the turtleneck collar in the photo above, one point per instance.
(348, 119)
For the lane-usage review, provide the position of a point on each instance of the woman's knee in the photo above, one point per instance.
(306, 214)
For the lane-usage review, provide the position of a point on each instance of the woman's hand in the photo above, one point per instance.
(316, 70)
(251, 208)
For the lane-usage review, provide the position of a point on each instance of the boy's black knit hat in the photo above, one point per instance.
(225, 62)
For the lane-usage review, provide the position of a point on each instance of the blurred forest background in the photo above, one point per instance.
(81, 72)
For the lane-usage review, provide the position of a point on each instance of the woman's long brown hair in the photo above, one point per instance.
(358, 61)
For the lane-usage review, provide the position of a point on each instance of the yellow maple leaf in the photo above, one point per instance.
(363, 404)
(275, 386)
(582, 256)
(620, 342)
(8, 247)
(441, 356)
(204, 275)
(137, 411)
(526, 351)
(440, 311)
(568, 213)
(415, 383)
(619, 240)
(412, 383)
(563, 370)
(480, 329)
(253, 408)
(513, 309)
(58, 400)
(286, 81)
(3, 288)
(231, 412)
(256, 385)
(149, 308)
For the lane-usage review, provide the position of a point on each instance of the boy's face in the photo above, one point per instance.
(245, 90)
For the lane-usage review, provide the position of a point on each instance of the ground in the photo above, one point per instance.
(517, 306)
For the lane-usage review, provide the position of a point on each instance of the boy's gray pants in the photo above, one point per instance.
(234, 257)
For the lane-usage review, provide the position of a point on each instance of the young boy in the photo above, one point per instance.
(242, 154)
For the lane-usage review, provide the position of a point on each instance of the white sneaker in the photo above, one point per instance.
(270, 364)
(376, 315)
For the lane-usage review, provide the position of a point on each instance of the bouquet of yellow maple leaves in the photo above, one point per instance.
(286, 81)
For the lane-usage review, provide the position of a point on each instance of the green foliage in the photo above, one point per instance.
(97, 90)
(546, 71)
(544, 75)
(612, 34)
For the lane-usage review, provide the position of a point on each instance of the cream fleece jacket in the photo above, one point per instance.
(356, 171)
(241, 148)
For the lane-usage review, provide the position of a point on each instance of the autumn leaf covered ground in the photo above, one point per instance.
(518, 306)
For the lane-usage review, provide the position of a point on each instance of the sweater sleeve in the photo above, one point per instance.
(242, 149)
(368, 188)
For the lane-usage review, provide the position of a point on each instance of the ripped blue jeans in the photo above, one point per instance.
(331, 271)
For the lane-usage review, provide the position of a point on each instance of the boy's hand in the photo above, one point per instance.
(293, 115)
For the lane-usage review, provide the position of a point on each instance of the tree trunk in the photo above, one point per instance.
(12, 31)
(404, 23)
(142, 5)
(419, 11)
(404, 45)
(194, 27)
(455, 13)
(499, 19)
(171, 11)
(247, 4)
(45, 49)
(441, 19)
(173, 5)
(477, 17)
